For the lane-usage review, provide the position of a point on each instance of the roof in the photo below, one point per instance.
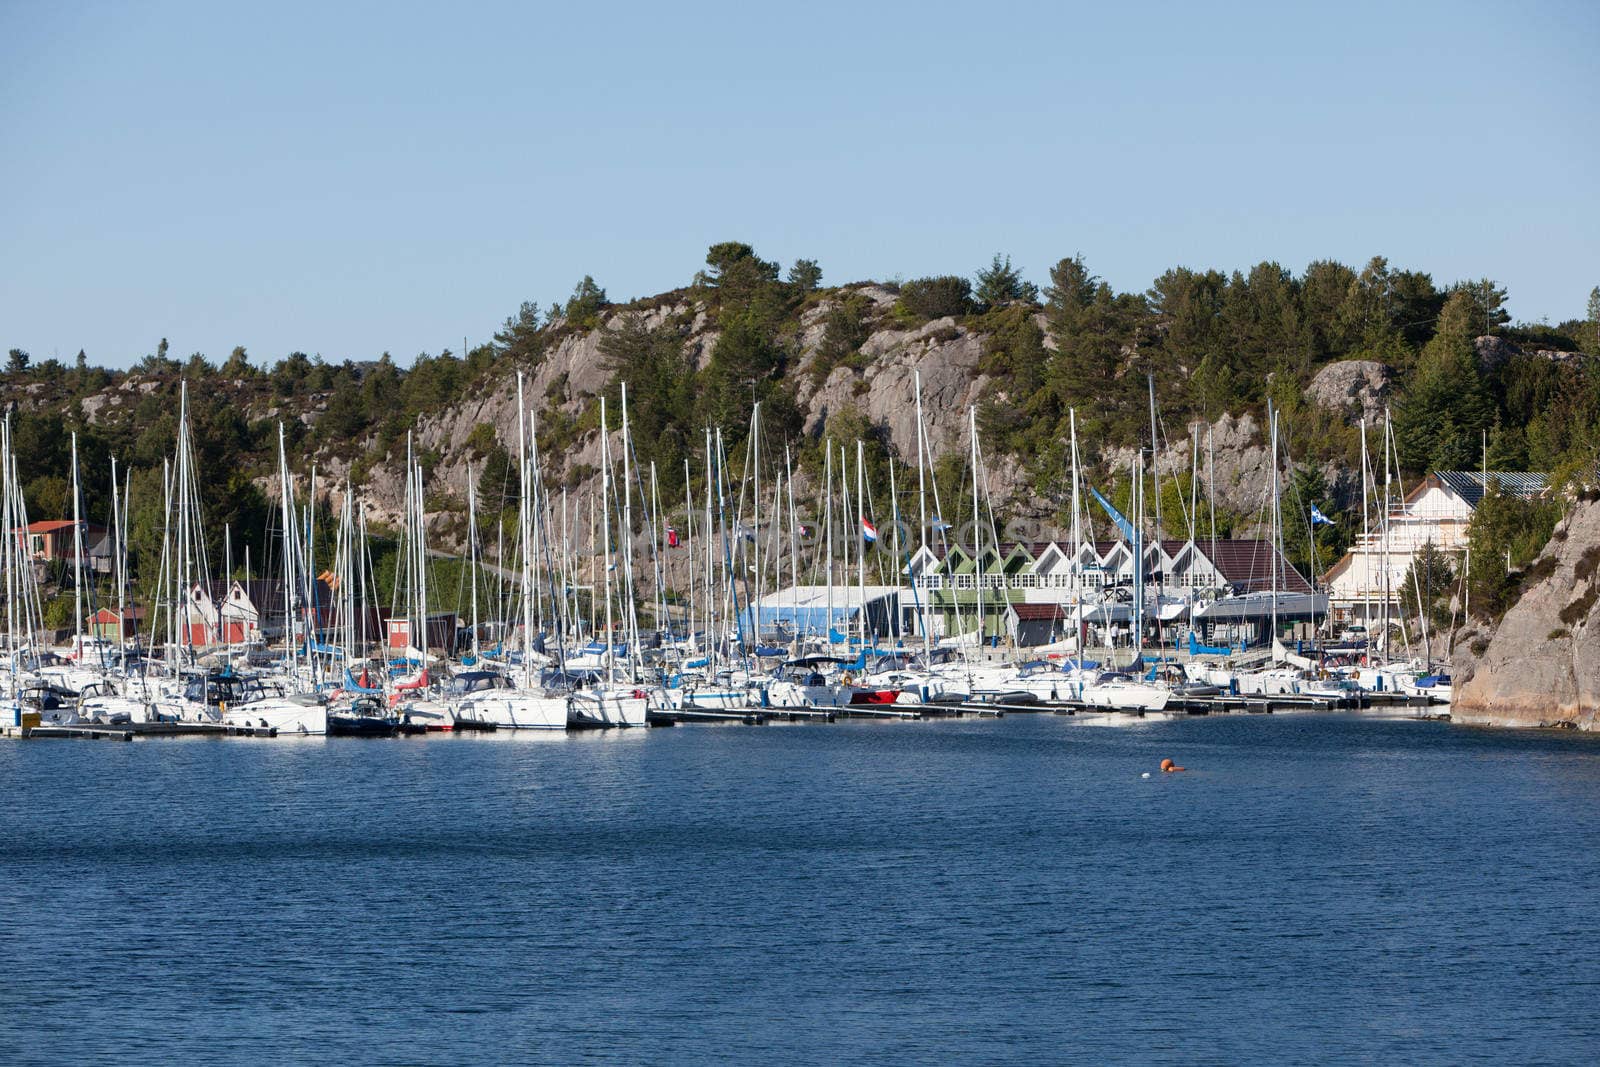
(1038, 612)
(44, 526)
(1247, 566)
(1469, 485)
(264, 594)
(134, 611)
(818, 596)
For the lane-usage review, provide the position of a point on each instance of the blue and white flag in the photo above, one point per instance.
(939, 524)
(1318, 518)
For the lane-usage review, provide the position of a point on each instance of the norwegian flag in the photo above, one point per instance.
(672, 537)
(869, 532)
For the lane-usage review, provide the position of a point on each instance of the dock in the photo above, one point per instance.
(129, 731)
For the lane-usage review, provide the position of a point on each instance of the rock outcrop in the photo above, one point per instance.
(1357, 387)
(1493, 351)
(1541, 665)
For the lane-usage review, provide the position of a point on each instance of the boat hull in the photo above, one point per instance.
(515, 711)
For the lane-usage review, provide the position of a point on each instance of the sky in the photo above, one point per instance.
(349, 179)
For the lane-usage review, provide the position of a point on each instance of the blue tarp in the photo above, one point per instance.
(354, 686)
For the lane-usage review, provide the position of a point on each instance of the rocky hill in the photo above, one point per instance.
(1327, 347)
(1541, 665)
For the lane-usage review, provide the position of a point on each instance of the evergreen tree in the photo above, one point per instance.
(736, 273)
(1440, 421)
(1000, 283)
(521, 338)
(18, 362)
(584, 305)
(805, 275)
(498, 488)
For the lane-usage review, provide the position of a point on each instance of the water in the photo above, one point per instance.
(1315, 888)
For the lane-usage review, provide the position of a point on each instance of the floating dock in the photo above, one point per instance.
(129, 731)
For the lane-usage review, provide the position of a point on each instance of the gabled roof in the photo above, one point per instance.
(1038, 612)
(1469, 485)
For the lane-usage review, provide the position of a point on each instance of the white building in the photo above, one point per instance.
(1437, 512)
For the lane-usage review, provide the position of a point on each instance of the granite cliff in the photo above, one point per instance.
(1540, 666)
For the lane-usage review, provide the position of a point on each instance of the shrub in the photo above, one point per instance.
(1574, 612)
(935, 298)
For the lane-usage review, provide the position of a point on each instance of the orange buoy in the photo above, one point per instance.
(1167, 766)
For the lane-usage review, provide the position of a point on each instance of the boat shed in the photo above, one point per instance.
(812, 610)
(1037, 624)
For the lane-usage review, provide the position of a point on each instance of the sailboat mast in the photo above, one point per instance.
(861, 557)
(605, 527)
(77, 560)
(922, 515)
(977, 550)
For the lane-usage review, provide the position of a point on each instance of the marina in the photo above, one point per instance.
(605, 635)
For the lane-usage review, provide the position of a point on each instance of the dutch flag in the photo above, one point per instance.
(869, 532)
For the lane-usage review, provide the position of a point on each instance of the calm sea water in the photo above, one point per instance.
(1313, 889)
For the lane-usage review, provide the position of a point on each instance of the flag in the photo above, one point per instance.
(672, 537)
(1117, 517)
(869, 532)
(1318, 518)
(805, 531)
(939, 524)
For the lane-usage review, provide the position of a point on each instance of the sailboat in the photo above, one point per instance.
(614, 701)
(489, 697)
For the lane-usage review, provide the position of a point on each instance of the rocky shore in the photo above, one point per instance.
(1541, 665)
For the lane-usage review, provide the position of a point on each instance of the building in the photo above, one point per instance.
(237, 611)
(1032, 591)
(441, 627)
(50, 540)
(815, 610)
(111, 625)
(1438, 512)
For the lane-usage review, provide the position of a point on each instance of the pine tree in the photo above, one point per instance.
(1000, 283)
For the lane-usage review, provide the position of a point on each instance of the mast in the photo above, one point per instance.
(472, 556)
(1136, 496)
(922, 515)
(861, 556)
(1366, 540)
(77, 560)
(1077, 533)
(286, 506)
(605, 525)
(894, 518)
(1274, 530)
(524, 533)
(794, 545)
(827, 512)
(977, 548)
(689, 561)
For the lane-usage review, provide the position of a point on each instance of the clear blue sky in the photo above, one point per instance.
(347, 179)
